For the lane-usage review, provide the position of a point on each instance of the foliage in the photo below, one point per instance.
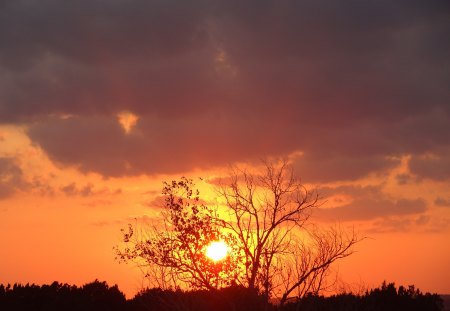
(178, 248)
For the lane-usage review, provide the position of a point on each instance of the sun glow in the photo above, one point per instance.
(217, 250)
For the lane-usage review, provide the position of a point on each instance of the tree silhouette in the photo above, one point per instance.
(174, 250)
(96, 296)
(270, 217)
(274, 247)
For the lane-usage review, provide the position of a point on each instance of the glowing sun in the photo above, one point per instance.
(217, 250)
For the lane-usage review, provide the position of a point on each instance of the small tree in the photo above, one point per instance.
(265, 221)
(173, 251)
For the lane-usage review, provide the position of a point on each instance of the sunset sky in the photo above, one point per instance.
(101, 101)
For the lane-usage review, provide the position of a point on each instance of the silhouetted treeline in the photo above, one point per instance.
(99, 296)
(93, 296)
(385, 298)
(233, 298)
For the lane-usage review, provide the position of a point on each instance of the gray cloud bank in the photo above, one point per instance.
(369, 203)
(350, 83)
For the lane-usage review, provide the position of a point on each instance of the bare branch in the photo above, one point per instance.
(267, 216)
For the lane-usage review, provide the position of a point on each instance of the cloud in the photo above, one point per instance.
(348, 167)
(352, 86)
(404, 179)
(431, 166)
(440, 201)
(154, 146)
(366, 209)
(73, 190)
(95, 57)
(11, 178)
(368, 203)
(421, 223)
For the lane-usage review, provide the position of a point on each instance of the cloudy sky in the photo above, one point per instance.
(102, 100)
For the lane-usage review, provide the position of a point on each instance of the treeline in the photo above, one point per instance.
(92, 296)
(385, 298)
(100, 296)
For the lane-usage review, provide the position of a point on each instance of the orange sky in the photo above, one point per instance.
(54, 232)
(100, 102)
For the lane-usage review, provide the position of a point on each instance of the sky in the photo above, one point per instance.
(101, 101)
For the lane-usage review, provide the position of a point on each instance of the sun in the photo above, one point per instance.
(217, 250)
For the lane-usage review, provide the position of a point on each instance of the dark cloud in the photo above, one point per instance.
(368, 203)
(392, 224)
(156, 202)
(348, 167)
(73, 190)
(11, 178)
(369, 208)
(442, 202)
(351, 84)
(69, 189)
(404, 179)
(431, 166)
(154, 146)
(422, 220)
(101, 57)
(42, 187)
(421, 223)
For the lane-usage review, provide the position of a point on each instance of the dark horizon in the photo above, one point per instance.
(99, 295)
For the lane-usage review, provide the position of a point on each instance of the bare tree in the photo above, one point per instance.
(265, 219)
(267, 214)
(307, 265)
